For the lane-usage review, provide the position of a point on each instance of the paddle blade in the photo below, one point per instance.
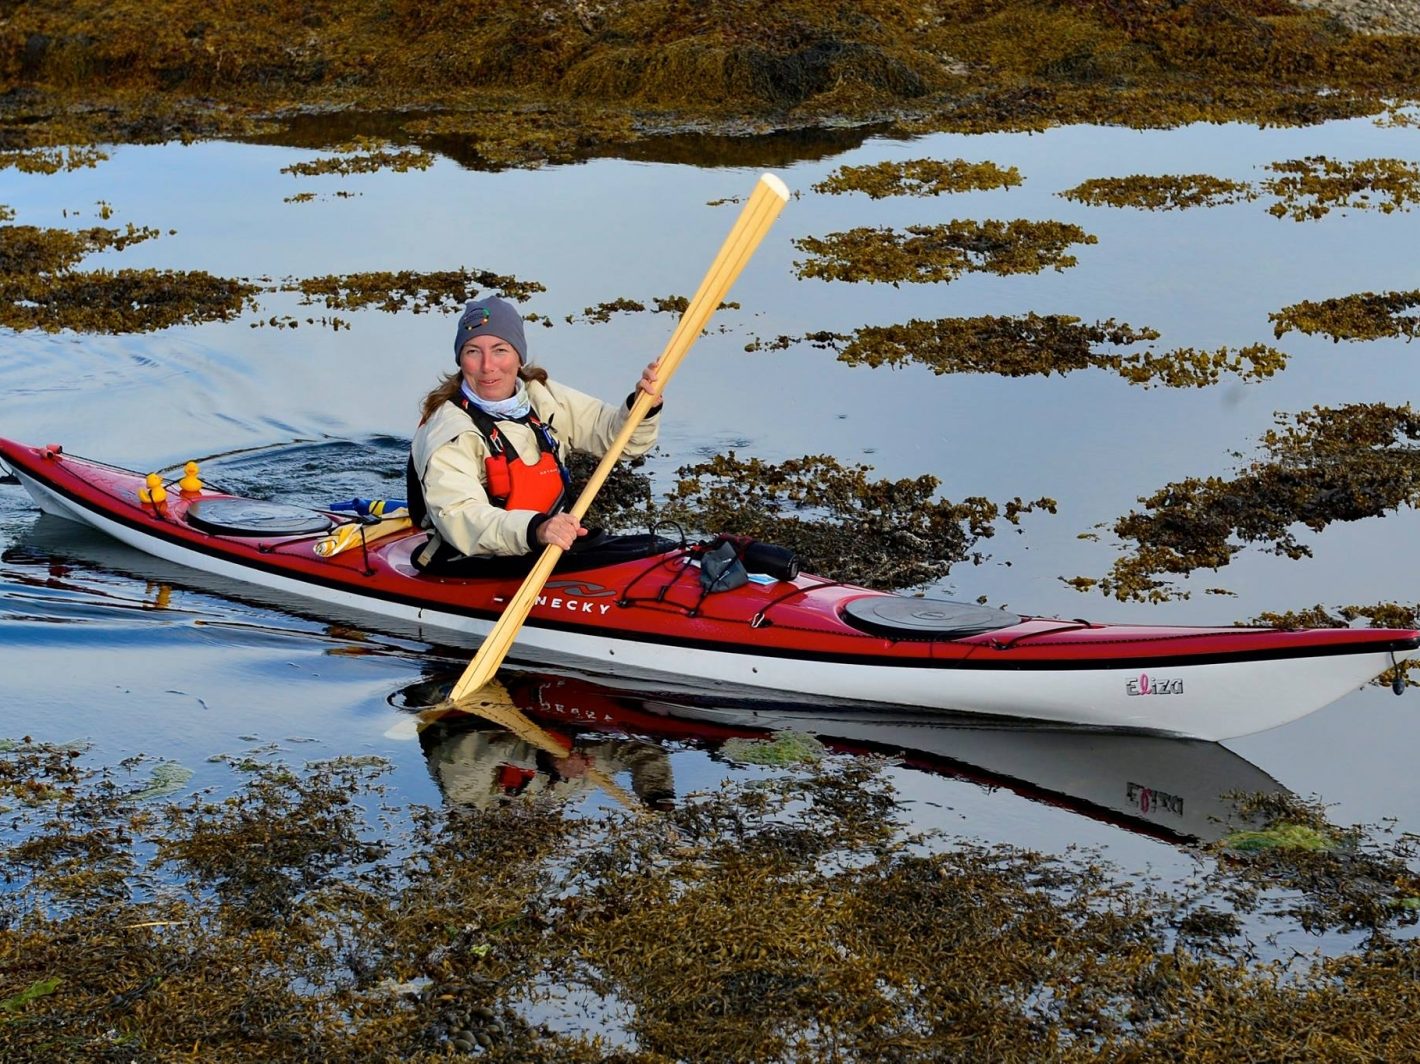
(758, 214)
(765, 202)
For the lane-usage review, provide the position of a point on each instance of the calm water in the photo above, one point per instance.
(100, 644)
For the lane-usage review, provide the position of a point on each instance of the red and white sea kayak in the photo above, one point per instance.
(642, 615)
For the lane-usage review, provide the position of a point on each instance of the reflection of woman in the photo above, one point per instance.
(486, 471)
(482, 766)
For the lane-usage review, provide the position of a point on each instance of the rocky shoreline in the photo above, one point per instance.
(622, 72)
(1381, 17)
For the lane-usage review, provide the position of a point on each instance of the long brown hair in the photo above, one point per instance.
(449, 384)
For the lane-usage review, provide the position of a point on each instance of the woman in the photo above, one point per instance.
(486, 472)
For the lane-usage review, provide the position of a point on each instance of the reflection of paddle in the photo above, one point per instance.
(493, 703)
(764, 205)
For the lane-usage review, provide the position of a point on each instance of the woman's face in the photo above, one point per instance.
(490, 367)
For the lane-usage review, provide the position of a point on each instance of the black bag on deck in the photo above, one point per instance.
(721, 569)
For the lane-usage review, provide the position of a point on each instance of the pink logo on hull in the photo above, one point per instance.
(1146, 686)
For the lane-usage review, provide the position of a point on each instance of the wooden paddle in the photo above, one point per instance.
(758, 215)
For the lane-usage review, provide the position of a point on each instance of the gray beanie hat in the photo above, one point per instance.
(494, 316)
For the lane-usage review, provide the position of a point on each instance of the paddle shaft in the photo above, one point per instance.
(758, 215)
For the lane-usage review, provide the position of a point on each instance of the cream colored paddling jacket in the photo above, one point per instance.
(449, 451)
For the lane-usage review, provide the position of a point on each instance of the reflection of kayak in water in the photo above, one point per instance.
(1158, 786)
(636, 607)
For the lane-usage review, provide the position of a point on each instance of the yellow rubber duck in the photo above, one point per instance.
(189, 484)
(153, 492)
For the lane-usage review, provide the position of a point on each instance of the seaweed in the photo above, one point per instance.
(364, 155)
(842, 524)
(917, 177)
(121, 300)
(1364, 316)
(52, 160)
(791, 916)
(40, 290)
(1330, 877)
(624, 502)
(939, 253)
(1035, 344)
(602, 312)
(1311, 188)
(1320, 466)
(781, 749)
(25, 249)
(1167, 193)
(393, 291)
(1380, 615)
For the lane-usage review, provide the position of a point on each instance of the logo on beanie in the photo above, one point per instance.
(474, 318)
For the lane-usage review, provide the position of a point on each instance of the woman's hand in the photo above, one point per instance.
(562, 529)
(647, 383)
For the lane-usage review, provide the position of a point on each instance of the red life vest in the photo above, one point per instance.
(513, 483)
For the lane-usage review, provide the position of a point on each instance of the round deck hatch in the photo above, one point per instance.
(901, 617)
(255, 517)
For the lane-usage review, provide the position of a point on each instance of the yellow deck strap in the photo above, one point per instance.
(347, 536)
